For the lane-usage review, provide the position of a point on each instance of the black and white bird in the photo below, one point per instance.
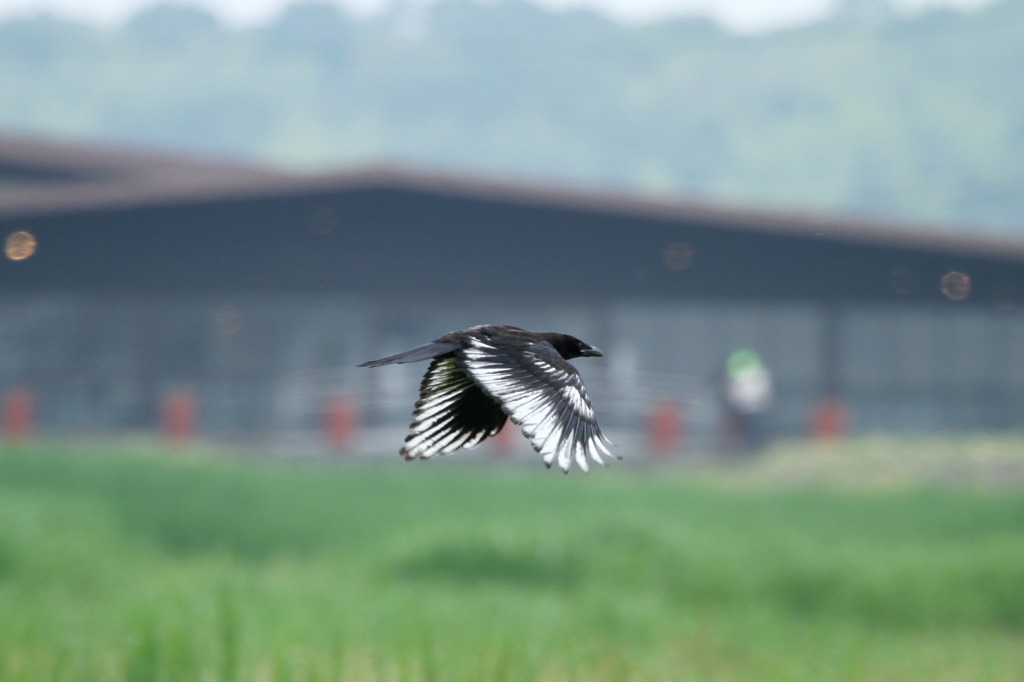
(482, 376)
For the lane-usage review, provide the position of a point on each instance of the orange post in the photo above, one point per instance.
(179, 416)
(666, 427)
(19, 413)
(829, 419)
(503, 442)
(341, 421)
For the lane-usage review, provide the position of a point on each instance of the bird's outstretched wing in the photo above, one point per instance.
(542, 393)
(452, 413)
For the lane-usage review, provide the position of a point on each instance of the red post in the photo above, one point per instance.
(503, 442)
(341, 420)
(666, 427)
(19, 413)
(179, 416)
(829, 419)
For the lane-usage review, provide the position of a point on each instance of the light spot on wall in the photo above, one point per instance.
(20, 245)
(679, 256)
(956, 285)
(228, 320)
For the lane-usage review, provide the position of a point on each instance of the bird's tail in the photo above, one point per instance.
(425, 352)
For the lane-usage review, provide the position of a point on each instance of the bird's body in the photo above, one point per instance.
(482, 376)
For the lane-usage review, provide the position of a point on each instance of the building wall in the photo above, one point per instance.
(264, 305)
(264, 366)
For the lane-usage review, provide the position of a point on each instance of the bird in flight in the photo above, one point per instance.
(482, 376)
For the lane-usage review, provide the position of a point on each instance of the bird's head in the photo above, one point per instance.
(570, 347)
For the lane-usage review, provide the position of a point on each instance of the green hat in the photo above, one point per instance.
(742, 360)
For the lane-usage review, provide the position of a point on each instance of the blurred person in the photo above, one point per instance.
(746, 390)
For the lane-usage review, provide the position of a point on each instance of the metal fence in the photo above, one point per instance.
(266, 369)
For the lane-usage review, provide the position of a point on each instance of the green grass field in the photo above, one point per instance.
(135, 564)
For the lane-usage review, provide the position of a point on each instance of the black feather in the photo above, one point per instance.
(482, 376)
(417, 354)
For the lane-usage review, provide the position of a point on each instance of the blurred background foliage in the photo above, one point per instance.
(918, 117)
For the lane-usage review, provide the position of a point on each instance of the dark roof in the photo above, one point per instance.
(44, 177)
(871, 231)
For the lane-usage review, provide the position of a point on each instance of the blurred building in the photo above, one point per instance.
(129, 276)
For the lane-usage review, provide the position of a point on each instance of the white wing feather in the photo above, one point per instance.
(544, 395)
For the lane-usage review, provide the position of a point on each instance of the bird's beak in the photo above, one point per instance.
(591, 352)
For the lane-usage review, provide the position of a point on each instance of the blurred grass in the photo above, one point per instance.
(174, 566)
(883, 461)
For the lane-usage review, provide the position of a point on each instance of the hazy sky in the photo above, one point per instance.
(744, 15)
